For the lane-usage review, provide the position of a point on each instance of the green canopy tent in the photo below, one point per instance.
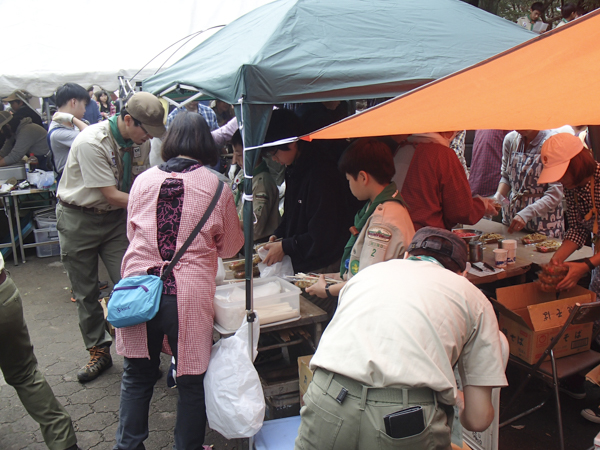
(315, 50)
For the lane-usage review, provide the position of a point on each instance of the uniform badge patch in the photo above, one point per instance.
(354, 266)
(379, 234)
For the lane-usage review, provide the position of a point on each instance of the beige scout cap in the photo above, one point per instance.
(147, 109)
(12, 97)
(5, 117)
(557, 152)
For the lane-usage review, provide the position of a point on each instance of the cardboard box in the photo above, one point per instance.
(304, 375)
(530, 319)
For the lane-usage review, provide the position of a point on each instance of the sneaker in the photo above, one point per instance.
(100, 360)
(573, 387)
(591, 414)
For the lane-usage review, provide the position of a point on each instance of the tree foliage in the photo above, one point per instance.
(513, 9)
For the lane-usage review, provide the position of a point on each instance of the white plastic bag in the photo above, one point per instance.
(235, 403)
(281, 269)
(219, 279)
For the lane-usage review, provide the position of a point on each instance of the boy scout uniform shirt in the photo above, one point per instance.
(93, 162)
(140, 158)
(265, 202)
(407, 323)
(385, 236)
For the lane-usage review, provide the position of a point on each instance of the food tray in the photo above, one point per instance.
(475, 233)
(272, 308)
(493, 240)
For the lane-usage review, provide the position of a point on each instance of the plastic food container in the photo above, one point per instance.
(275, 300)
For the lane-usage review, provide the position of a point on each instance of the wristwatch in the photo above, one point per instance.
(589, 263)
(329, 295)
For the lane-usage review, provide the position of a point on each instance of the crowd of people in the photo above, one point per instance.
(374, 214)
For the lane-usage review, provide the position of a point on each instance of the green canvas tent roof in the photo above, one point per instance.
(319, 50)
(314, 50)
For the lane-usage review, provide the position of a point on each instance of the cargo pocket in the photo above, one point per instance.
(318, 429)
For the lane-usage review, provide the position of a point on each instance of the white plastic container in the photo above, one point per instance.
(45, 235)
(597, 442)
(275, 300)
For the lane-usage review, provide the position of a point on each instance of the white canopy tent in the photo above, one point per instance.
(47, 44)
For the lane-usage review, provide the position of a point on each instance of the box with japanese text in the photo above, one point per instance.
(305, 375)
(530, 319)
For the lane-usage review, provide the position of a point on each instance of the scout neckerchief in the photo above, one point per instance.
(425, 258)
(389, 193)
(531, 22)
(126, 158)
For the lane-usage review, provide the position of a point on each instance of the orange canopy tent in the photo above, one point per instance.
(546, 82)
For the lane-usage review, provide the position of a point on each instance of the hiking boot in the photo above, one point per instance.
(100, 360)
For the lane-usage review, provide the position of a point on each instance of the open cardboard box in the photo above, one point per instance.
(530, 319)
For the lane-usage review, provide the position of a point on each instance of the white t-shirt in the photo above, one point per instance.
(405, 323)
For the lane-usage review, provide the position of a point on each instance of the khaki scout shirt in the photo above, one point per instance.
(95, 161)
(140, 159)
(385, 236)
(265, 202)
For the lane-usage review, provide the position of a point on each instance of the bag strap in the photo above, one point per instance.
(193, 234)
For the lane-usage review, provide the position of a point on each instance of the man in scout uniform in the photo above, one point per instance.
(91, 213)
(383, 371)
(265, 194)
(382, 228)
(528, 22)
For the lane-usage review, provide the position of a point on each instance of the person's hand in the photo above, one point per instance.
(318, 288)
(63, 118)
(460, 401)
(576, 271)
(272, 238)
(491, 207)
(517, 224)
(275, 254)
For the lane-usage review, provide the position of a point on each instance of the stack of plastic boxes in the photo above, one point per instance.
(45, 231)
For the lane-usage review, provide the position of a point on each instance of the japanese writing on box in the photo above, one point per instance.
(547, 315)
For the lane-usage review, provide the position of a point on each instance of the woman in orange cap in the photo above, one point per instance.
(565, 159)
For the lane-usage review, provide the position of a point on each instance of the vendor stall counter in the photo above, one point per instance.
(526, 255)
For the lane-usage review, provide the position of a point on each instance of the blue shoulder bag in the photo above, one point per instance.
(136, 300)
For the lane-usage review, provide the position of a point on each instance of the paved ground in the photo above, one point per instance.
(94, 407)
(52, 322)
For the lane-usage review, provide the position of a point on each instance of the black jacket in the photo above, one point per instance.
(316, 217)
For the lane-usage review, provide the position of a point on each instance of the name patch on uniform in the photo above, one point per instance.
(379, 234)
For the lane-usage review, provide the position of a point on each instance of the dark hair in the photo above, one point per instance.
(236, 139)
(189, 135)
(100, 94)
(538, 6)
(284, 123)
(567, 10)
(581, 11)
(581, 166)
(124, 113)
(369, 155)
(91, 88)
(69, 91)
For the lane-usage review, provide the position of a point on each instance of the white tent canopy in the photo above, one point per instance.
(49, 43)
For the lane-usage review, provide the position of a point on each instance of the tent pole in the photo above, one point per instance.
(248, 241)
